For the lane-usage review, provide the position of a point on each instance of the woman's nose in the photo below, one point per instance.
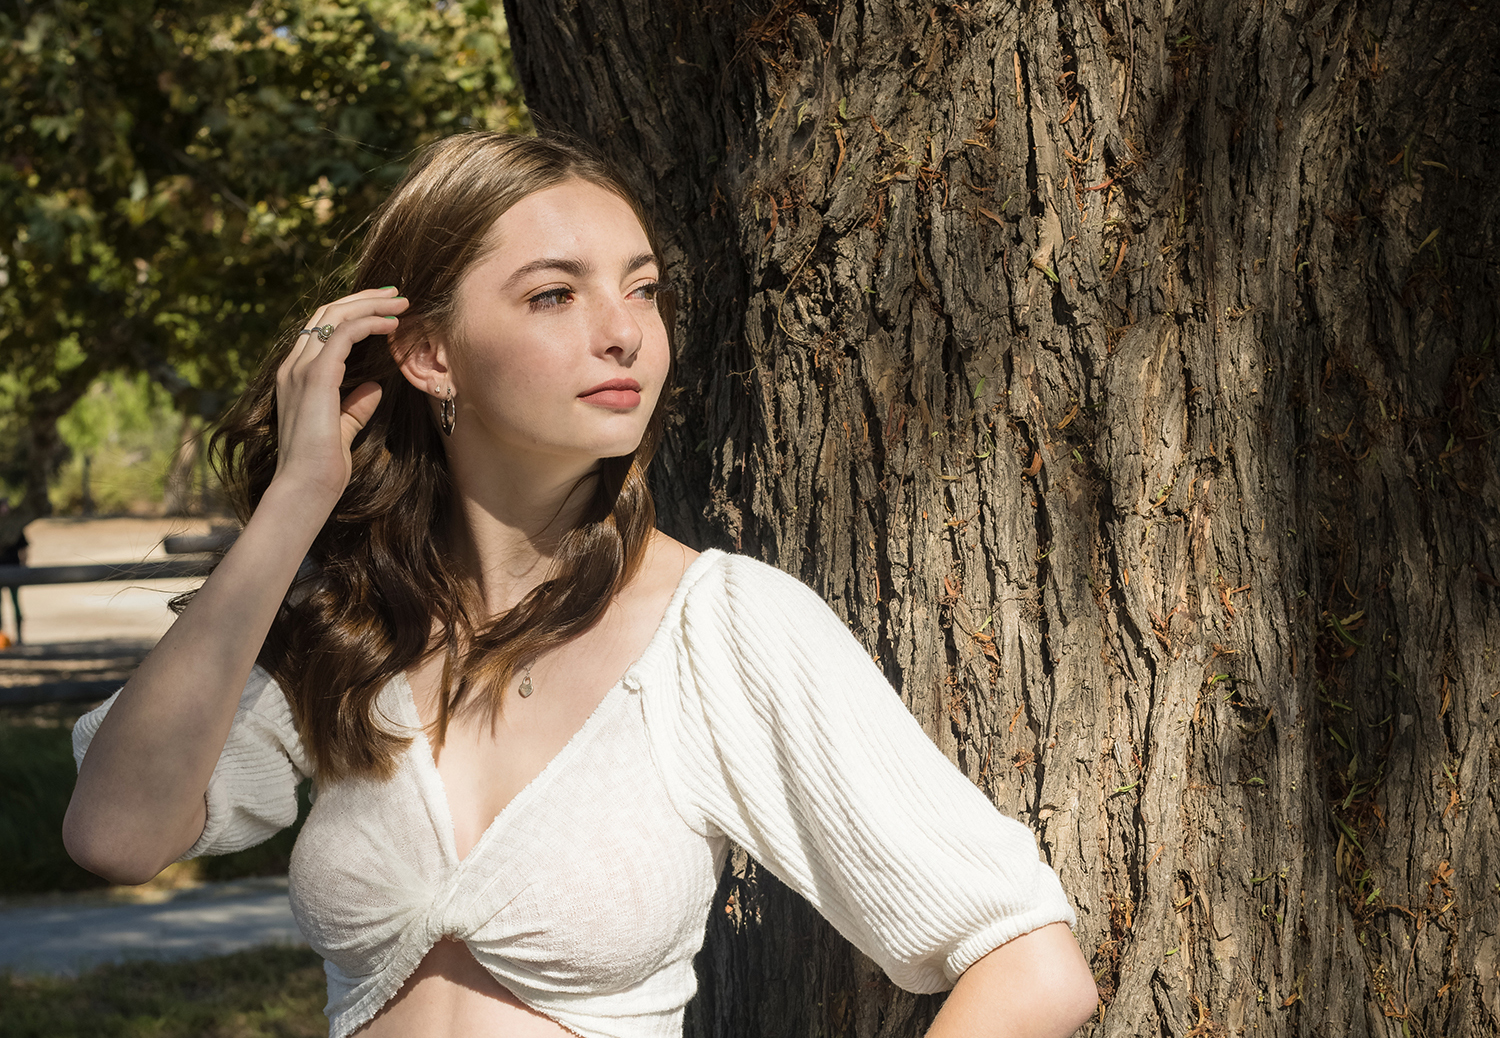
(618, 330)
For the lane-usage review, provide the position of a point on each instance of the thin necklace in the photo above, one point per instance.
(526, 686)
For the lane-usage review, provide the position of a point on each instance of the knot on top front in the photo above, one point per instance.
(447, 918)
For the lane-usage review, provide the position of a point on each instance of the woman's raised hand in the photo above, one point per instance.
(314, 426)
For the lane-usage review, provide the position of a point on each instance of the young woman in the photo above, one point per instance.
(533, 722)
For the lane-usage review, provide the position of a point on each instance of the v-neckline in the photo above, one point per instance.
(436, 789)
(422, 752)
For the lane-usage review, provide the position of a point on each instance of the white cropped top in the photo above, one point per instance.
(753, 715)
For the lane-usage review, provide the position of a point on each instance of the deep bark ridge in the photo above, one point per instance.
(1124, 372)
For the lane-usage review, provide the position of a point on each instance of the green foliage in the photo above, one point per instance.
(174, 178)
(128, 429)
(265, 992)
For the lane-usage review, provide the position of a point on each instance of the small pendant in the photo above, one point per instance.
(526, 686)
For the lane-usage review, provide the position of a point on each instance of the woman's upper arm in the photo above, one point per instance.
(820, 772)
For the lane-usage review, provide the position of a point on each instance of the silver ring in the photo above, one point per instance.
(323, 332)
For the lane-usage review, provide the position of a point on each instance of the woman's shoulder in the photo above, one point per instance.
(729, 606)
(721, 582)
(666, 562)
(716, 608)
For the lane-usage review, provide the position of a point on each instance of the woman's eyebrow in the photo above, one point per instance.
(571, 267)
(575, 268)
(637, 262)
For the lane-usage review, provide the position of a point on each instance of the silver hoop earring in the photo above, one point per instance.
(449, 414)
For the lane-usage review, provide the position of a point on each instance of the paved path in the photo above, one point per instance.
(66, 935)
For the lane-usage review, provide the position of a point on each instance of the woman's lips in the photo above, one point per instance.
(619, 394)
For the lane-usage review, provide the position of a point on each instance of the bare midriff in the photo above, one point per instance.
(451, 996)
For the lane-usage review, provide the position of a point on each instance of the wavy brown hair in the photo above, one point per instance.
(381, 577)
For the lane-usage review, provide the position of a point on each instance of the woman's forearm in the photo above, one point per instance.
(1036, 986)
(138, 804)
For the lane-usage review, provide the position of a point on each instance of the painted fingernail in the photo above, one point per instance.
(390, 318)
(384, 287)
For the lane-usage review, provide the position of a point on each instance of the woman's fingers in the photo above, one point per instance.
(316, 427)
(343, 329)
(342, 339)
(309, 341)
(314, 380)
(357, 408)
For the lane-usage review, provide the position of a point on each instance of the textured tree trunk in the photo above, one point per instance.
(1124, 372)
(87, 495)
(42, 451)
(178, 492)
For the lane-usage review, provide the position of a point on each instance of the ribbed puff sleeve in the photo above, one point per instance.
(252, 794)
(808, 759)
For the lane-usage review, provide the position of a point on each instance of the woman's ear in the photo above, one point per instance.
(423, 359)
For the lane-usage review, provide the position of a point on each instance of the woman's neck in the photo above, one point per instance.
(508, 523)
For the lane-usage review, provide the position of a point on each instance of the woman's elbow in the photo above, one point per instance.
(107, 855)
(1063, 980)
(1038, 985)
(1077, 996)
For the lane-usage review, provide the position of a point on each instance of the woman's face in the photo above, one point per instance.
(558, 350)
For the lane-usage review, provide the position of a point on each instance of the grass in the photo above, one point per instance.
(274, 991)
(36, 780)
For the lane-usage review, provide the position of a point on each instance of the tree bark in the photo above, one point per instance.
(1123, 371)
(178, 492)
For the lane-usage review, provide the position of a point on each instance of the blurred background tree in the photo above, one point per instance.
(176, 179)
(123, 435)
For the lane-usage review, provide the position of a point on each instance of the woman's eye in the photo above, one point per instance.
(647, 292)
(550, 298)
